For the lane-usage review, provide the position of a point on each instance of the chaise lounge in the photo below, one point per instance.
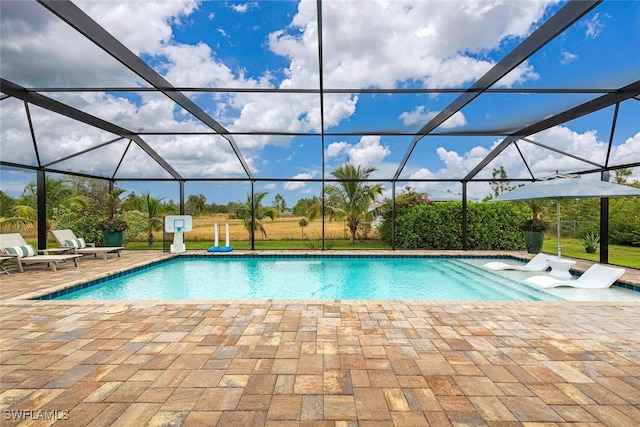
(3, 260)
(67, 239)
(597, 276)
(537, 263)
(14, 245)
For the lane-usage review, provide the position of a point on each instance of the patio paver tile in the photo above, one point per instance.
(285, 407)
(310, 363)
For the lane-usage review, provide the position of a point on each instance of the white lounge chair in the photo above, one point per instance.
(537, 263)
(597, 276)
(4, 259)
(67, 239)
(14, 245)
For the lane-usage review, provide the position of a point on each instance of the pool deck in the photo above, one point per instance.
(311, 363)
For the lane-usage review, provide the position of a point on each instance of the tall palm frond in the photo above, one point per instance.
(58, 193)
(261, 212)
(113, 201)
(22, 217)
(154, 213)
(352, 198)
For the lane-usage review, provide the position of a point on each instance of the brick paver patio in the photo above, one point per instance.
(311, 363)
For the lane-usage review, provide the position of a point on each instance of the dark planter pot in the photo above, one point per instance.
(590, 249)
(533, 240)
(112, 238)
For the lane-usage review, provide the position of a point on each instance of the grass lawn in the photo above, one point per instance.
(274, 244)
(625, 256)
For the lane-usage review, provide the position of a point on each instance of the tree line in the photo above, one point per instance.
(82, 203)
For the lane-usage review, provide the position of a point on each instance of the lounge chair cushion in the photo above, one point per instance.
(22, 251)
(76, 243)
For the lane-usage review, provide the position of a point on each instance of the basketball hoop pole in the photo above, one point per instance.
(178, 225)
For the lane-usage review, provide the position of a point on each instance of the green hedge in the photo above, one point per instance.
(624, 221)
(439, 226)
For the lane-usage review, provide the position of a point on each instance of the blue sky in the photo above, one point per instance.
(273, 45)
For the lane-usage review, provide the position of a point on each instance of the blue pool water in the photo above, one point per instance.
(315, 278)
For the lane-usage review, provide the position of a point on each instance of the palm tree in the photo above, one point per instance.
(351, 199)
(260, 213)
(537, 207)
(113, 201)
(154, 212)
(59, 193)
(21, 217)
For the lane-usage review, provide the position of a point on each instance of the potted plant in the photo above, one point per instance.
(590, 242)
(534, 229)
(112, 231)
(113, 227)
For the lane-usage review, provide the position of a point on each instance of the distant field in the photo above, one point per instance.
(285, 228)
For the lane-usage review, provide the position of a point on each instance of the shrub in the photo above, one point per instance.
(495, 226)
(137, 228)
(439, 226)
(83, 225)
(624, 221)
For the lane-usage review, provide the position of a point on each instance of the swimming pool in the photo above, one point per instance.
(310, 278)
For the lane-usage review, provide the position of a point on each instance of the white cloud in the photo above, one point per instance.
(628, 152)
(29, 59)
(195, 65)
(567, 57)
(595, 25)
(144, 27)
(337, 148)
(586, 145)
(423, 173)
(362, 39)
(422, 117)
(518, 76)
(298, 185)
(296, 113)
(542, 162)
(244, 7)
(58, 137)
(368, 152)
(426, 56)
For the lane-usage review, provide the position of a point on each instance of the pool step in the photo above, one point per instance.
(482, 285)
(503, 284)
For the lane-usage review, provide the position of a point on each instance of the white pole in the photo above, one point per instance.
(216, 228)
(558, 213)
(227, 243)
